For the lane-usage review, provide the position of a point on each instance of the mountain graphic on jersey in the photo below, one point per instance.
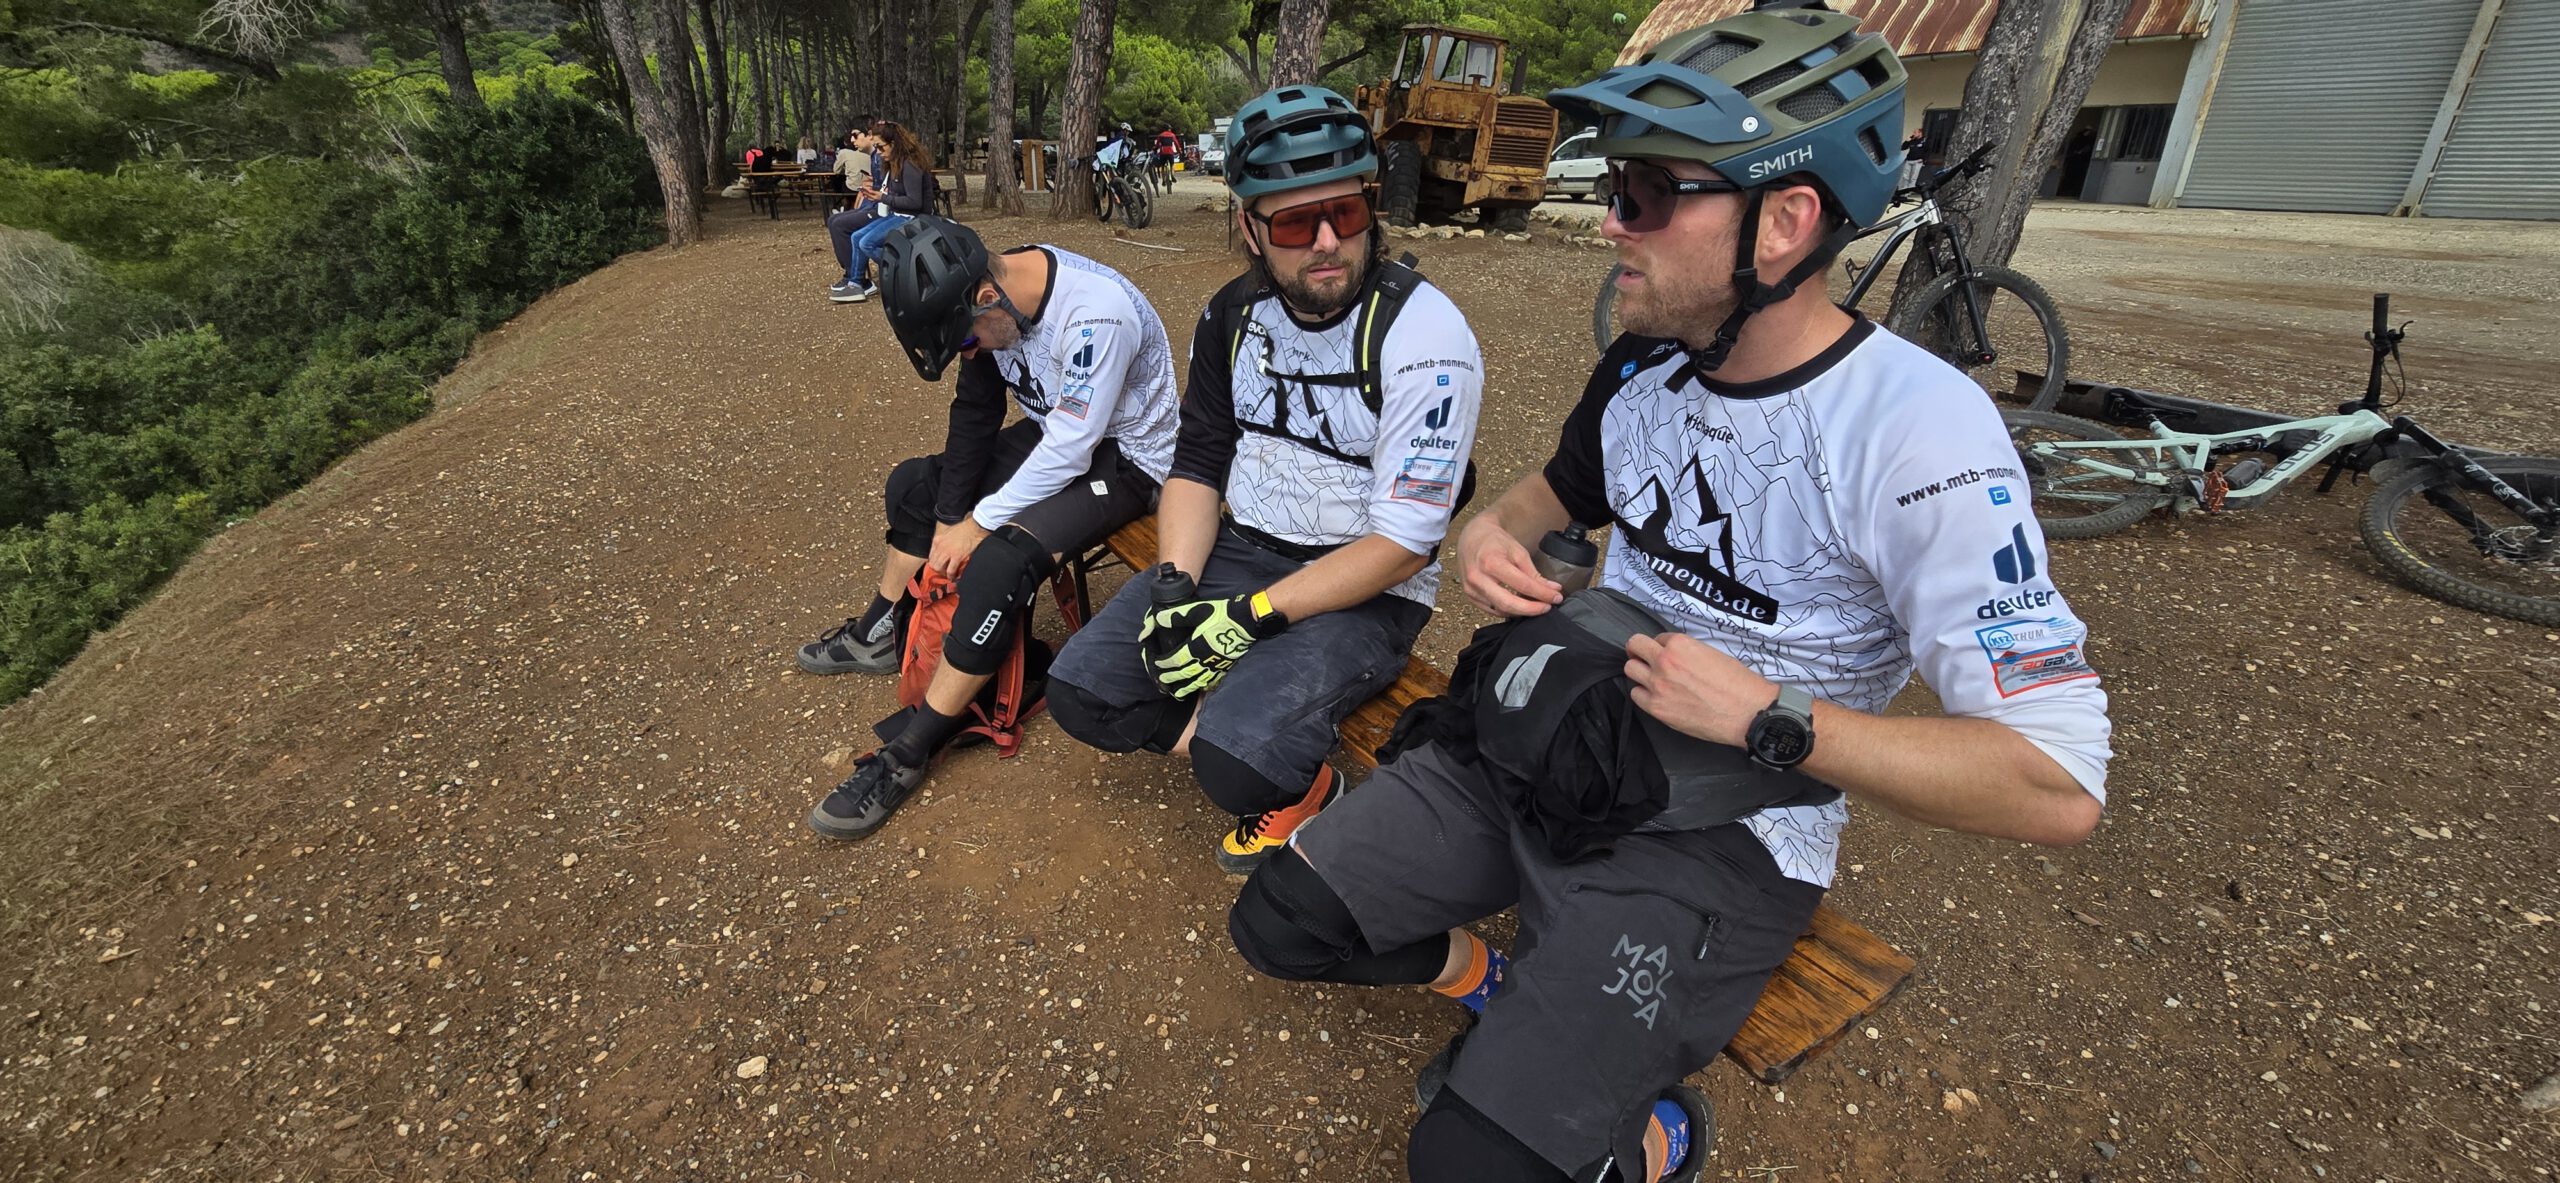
(1705, 575)
(1026, 388)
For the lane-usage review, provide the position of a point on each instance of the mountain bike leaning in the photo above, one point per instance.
(2481, 532)
(1986, 321)
(1122, 190)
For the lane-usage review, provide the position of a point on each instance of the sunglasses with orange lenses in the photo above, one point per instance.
(1295, 226)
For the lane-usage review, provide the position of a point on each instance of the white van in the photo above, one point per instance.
(1574, 170)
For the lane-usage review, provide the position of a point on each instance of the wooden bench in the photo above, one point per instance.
(1839, 974)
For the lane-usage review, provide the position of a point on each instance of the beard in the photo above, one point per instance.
(1682, 293)
(1320, 299)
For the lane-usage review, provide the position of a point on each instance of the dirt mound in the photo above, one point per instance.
(443, 822)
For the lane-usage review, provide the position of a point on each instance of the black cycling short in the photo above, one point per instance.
(1112, 493)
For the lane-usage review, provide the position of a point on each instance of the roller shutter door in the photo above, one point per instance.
(2325, 104)
(2502, 159)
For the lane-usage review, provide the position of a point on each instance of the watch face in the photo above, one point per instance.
(1782, 741)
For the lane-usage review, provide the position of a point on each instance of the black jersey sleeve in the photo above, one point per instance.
(977, 414)
(1205, 446)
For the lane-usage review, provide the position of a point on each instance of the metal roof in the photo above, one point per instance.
(1919, 28)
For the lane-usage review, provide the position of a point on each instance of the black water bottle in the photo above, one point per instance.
(1168, 586)
(1567, 556)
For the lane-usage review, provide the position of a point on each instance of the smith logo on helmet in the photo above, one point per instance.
(1762, 169)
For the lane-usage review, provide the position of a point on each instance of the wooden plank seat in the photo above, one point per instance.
(1839, 974)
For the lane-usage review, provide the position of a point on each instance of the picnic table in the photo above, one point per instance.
(767, 186)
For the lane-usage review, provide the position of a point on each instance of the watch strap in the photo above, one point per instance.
(1795, 700)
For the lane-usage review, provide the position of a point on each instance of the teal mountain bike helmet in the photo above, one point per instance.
(1291, 137)
(1760, 97)
(1765, 98)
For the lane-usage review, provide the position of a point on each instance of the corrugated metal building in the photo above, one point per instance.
(2440, 107)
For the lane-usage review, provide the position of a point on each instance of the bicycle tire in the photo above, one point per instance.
(1940, 307)
(2385, 534)
(2123, 508)
(1604, 310)
(1140, 209)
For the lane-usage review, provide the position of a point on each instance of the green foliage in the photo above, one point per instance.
(261, 321)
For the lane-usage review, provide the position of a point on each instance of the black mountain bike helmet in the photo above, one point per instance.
(929, 273)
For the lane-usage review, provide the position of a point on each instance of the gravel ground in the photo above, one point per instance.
(442, 821)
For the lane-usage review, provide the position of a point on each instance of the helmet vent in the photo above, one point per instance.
(1810, 104)
(1715, 53)
(1868, 140)
(1771, 79)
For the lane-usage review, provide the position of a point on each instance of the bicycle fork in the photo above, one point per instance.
(2544, 519)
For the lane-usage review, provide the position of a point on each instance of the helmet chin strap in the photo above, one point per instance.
(1756, 294)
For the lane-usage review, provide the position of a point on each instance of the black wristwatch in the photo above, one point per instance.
(1781, 735)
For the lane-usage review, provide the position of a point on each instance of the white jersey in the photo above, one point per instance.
(1095, 365)
(1834, 528)
(1311, 463)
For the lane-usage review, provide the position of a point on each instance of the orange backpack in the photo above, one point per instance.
(1017, 693)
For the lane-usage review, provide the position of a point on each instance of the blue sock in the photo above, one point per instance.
(1496, 966)
(1674, 1121)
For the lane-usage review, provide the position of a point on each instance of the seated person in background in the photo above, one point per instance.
(807, 156)
(1331, 405)
(1080, 350)
(1667, 815)
(907, 191)
(842, 225)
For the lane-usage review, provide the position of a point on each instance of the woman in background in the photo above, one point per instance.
(905, 191)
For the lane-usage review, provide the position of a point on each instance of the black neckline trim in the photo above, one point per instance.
(1318, 326)
(1048, 290)
(1860, 328)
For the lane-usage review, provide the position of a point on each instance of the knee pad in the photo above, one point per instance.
(1288, 923)
(908, 497)
(1152, 725)
(1455, 1143)
(1234, 786)
(995, 588)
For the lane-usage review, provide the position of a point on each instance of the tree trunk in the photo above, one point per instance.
(1004, 189)
(682, 103)
(667, 149)
(453, 53)
(761, 87)
(2035, 67)
(715, 54)
(1246, 63)
(960, 100)
(1298, 43)
(1088, 64)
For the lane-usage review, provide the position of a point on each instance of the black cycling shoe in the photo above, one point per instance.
(1428, 1082)
(841, 650)
(863, 803)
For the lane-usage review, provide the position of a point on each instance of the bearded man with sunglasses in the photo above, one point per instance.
(1331, 405)
(1778, 475)
(1077, 347)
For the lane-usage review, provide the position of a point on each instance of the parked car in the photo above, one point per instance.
(1574, 170)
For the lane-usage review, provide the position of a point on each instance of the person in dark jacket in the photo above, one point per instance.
(905, 191)
(858, 169)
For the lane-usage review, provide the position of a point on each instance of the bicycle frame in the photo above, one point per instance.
(1898, 229)
(2191, 453)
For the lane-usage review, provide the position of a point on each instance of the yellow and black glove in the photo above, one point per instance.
(1189, 646)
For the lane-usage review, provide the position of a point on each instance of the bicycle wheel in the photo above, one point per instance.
(2070, 498)
(1101, 199)
(1604, 310)
(2472, 550)
(2022, 334)
(1139, 207)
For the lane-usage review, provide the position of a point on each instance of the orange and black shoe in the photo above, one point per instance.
(1256, 837)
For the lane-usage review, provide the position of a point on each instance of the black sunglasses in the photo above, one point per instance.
(1642, 194)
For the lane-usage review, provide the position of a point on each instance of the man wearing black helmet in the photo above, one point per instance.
(1331, 406)
(1784, 536)
(1077, 347)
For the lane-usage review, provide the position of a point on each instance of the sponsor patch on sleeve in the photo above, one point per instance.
(1075, 400)
(1425, 480)
(2031, 654)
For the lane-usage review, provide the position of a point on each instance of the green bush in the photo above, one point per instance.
(284, 316)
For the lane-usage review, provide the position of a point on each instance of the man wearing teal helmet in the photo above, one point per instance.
(1331, 406)
(1777, 473)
